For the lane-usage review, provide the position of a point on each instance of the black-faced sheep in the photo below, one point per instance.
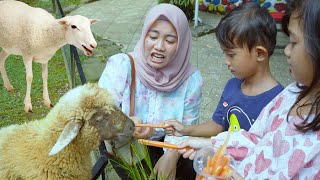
(36, 35)
(59, 146)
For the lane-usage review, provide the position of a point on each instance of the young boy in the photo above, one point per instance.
(247, 36)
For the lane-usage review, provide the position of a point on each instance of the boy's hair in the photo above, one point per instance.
(248, 25)
(307, 13)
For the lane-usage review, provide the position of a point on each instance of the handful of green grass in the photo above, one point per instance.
(140, 170)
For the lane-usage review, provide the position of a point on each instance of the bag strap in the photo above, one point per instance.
(98, 168)
(132, 86)
(132, 93)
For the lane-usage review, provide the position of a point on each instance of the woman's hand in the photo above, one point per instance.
(167, 165)
(195, 143)
(175, 128)
(141, 133)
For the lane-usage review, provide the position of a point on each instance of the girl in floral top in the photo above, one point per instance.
(284, 143)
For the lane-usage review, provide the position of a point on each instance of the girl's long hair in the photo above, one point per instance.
(307, 12)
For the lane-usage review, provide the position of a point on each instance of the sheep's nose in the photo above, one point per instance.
(131, 127)
(93, 46)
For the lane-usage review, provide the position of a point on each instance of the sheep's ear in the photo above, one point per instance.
(69, 132)
(93, 21)
(64, 21)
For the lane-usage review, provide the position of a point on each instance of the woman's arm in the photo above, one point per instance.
(115, 76)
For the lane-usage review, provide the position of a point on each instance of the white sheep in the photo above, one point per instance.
(36, 35)
(82, 118)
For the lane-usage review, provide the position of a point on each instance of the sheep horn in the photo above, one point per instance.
(70, 131)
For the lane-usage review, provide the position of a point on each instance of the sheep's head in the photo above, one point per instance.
(79, 33)
(89, 110)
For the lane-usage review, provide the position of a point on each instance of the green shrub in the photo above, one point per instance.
(187, 6)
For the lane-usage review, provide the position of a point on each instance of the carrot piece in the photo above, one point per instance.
(159, 144)
(226, 171)
(218, 170)
(226, 160)
(206, 170)
(220, 152)
(212, 161)
(152, 125)
(218, 164)
(223, 161)
(210, 170)
(216, 158)
(208, 161)
(199, 177)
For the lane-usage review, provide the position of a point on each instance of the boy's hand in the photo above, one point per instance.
(195, 143)
(175, 128)
(141, 133)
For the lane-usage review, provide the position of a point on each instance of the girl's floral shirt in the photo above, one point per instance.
(273, 148)
(153, 107)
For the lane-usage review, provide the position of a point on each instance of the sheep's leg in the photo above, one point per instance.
(45, 95)
(6, 82)
(29, 76)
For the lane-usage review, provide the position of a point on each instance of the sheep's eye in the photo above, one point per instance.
(100, 118)
(73, 27)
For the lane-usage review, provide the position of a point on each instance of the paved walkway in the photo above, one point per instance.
(121, 22)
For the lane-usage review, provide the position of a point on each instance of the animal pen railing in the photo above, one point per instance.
(70, 55)
(71, 59)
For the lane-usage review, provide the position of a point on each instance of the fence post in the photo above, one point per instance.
(66, 52)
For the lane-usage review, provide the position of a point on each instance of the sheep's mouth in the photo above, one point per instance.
(87, 51)
(122, 136)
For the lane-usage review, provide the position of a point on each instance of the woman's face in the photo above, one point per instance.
(300, 67)
(160, 44)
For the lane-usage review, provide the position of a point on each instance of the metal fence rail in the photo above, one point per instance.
(73, 59)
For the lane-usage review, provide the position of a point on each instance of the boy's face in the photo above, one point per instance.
(300, 66)
(241, 62)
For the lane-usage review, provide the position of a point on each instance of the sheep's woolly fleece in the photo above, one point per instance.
(24, 148)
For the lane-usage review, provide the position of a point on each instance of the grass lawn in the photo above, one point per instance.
(48, 3)
(11, 104)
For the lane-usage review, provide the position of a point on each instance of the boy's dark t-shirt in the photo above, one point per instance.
(246, 109)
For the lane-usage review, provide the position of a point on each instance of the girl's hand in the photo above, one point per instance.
(167, 165)
(176, 128)
(141, 133)
(195, 143)
(190, 153)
